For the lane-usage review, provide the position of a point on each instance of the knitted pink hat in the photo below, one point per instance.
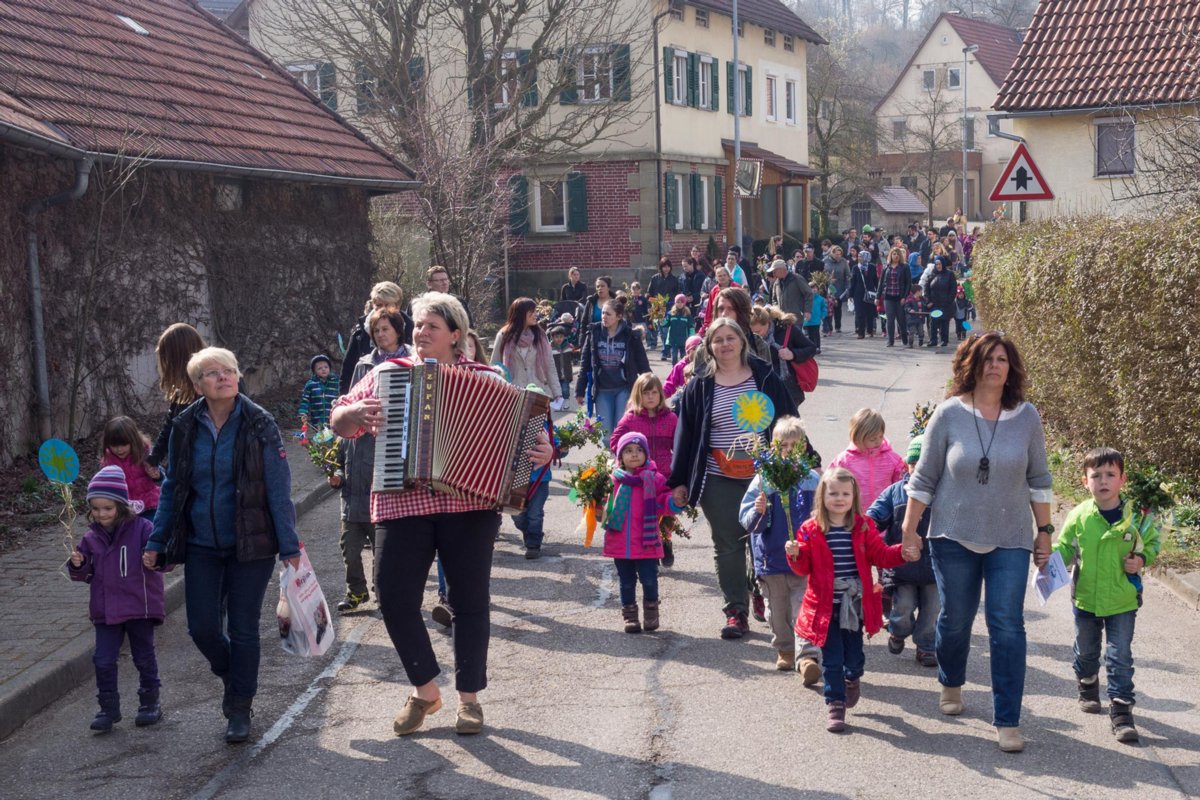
(692, 343)
(633, 437)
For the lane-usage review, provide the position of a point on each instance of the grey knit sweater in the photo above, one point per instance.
(995, 514)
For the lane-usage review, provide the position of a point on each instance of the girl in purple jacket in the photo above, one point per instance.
(631, 539)
(127, 598)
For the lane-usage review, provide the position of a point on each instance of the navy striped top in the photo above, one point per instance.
(724, 430)
(842, 548)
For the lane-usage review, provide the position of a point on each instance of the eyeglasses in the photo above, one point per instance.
(214, 374)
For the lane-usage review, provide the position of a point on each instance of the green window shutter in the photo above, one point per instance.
(568, 77)
(715, 105)
(518, 211)
(697, 201)
(668, 75)
(622, 86)
(327, 76)
(364, 95)
(577, 212)
(719, 197)
(749, 91)
(693, 80)
(671, 201)
(528, 78)
(729, 86)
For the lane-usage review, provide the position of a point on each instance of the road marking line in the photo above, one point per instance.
(345, 653)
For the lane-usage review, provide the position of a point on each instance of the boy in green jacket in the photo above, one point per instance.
(1110, 542)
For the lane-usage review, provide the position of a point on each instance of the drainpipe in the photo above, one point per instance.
(83, 169)
(658, 171)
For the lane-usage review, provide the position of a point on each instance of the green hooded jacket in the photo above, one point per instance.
(1099, 551)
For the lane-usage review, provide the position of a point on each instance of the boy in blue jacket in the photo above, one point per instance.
(914, 594)
(762, 514)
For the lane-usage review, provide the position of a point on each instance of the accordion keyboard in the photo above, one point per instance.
(394, 389)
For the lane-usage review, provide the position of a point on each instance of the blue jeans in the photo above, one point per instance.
(676, 352)
(610, 406)
(224, 599)
(441, 573)
(905, 619)
(1002, 574)
(842, 659)
(632, 570)
(529, 521)
(1118, 653)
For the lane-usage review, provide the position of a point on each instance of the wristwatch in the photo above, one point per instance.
(1046, 529)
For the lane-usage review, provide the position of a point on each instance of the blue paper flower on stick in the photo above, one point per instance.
(59, 461)
(753, 412)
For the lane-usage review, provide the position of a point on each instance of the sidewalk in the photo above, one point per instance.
(46, 639)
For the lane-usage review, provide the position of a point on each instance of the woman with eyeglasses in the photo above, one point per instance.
(226, 513)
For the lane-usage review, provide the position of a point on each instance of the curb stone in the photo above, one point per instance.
(48, 680)
(1185, 585)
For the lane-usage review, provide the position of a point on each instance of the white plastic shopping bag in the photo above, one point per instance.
(305, 624)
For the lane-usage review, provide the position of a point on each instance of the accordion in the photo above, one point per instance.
(457, 430)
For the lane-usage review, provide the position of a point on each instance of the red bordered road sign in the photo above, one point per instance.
(1021, 180)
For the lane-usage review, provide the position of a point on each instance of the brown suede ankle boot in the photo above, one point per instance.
(650, 615)
(630, 614)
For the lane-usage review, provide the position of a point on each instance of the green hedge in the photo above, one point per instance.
(1104, 312)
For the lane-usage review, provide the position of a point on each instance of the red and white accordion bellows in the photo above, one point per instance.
(460, 431)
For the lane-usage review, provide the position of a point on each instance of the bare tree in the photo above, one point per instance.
(466, 92)
(1010, 13)
(930, 143)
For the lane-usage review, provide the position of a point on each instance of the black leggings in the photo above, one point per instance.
(404, 551)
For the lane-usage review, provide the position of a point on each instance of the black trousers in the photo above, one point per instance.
(404, 551)
(864, 318)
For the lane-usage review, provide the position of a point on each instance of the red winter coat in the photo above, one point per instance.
(659, 431)
(815, 559)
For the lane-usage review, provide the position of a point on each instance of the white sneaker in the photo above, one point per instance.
(557, 405)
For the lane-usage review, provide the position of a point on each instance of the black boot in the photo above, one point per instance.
(239, 713)
(1120, 716)
(109, 713)
(149, 711)
(1089, 695)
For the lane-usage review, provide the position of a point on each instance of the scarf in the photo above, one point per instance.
(850, 591)
(620, 501)
(543, 365)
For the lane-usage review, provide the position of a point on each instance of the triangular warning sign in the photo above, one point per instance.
(1021, 180)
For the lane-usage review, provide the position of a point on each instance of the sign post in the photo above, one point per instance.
(1021, 180)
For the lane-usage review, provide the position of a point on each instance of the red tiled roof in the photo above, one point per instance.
(792, 169)
(998, 44)
(190, 91)
(1100, 53)
(767, 13)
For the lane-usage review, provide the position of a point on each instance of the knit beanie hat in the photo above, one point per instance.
(312, 365)
(693, 341)
(914, 449)
(681, 298)
(109, 483)
(633, 437)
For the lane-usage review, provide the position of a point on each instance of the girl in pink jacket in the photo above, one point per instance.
(872, 461)
(125, 446)
(647, 413)
(631, 539)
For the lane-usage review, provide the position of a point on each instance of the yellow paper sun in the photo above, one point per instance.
(751, 412)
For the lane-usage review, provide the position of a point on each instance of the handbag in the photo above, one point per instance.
(732, 467)
(806, 372)
(305, 624)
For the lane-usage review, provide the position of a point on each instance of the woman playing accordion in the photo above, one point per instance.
(415, 525)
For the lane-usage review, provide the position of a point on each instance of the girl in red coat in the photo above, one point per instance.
(837, 547)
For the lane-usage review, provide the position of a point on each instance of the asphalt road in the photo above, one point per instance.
(578, 709)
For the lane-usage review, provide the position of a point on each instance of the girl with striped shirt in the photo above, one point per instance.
(836, 548)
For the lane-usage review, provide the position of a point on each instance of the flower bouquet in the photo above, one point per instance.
(669, 527)
(323, 450)
(579, 431)
(658, 308)
(590, 484)
(782, 467)
(921, 416)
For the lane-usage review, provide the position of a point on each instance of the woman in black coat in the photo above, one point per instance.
(942, 289)
(864, 289)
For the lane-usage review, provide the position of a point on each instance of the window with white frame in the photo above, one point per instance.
(508, 79)
(549, 206)
(680, 194)
(595, 75)
(677, 11)
(1115, 147)
(771, 103)
(789, 43)
(953, 78)
(741, 29)
(741, 76)
(768, 37)
(929, 79)
(899, 130)
(702, 219)
(318, 78)
(791, 112)
(701, 18)
(680, 78)
(705, 87)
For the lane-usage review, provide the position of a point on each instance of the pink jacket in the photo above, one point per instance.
(875, 470)
(675, 380)
(659, 432)
(141, 486)
(629, 543)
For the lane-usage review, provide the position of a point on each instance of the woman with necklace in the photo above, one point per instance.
(983, 473)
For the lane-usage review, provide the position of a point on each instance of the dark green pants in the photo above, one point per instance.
(720, 503)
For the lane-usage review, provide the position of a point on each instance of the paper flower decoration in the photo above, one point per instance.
(58, 460)
(753, 412)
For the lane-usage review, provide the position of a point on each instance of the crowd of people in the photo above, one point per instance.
(868, 540)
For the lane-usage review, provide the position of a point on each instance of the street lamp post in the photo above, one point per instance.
(738, 100)
(971, 48)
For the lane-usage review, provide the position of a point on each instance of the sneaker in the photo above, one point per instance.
(926, 658)
(352, 601)
(853, 692)
(810, 671)
(1120, 716)
(736, 625)
(442, 614)
(758, 606)
(837, 717)
(1089, 695)
(896, 645)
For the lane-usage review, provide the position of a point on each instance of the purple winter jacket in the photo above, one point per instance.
(122, 588)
